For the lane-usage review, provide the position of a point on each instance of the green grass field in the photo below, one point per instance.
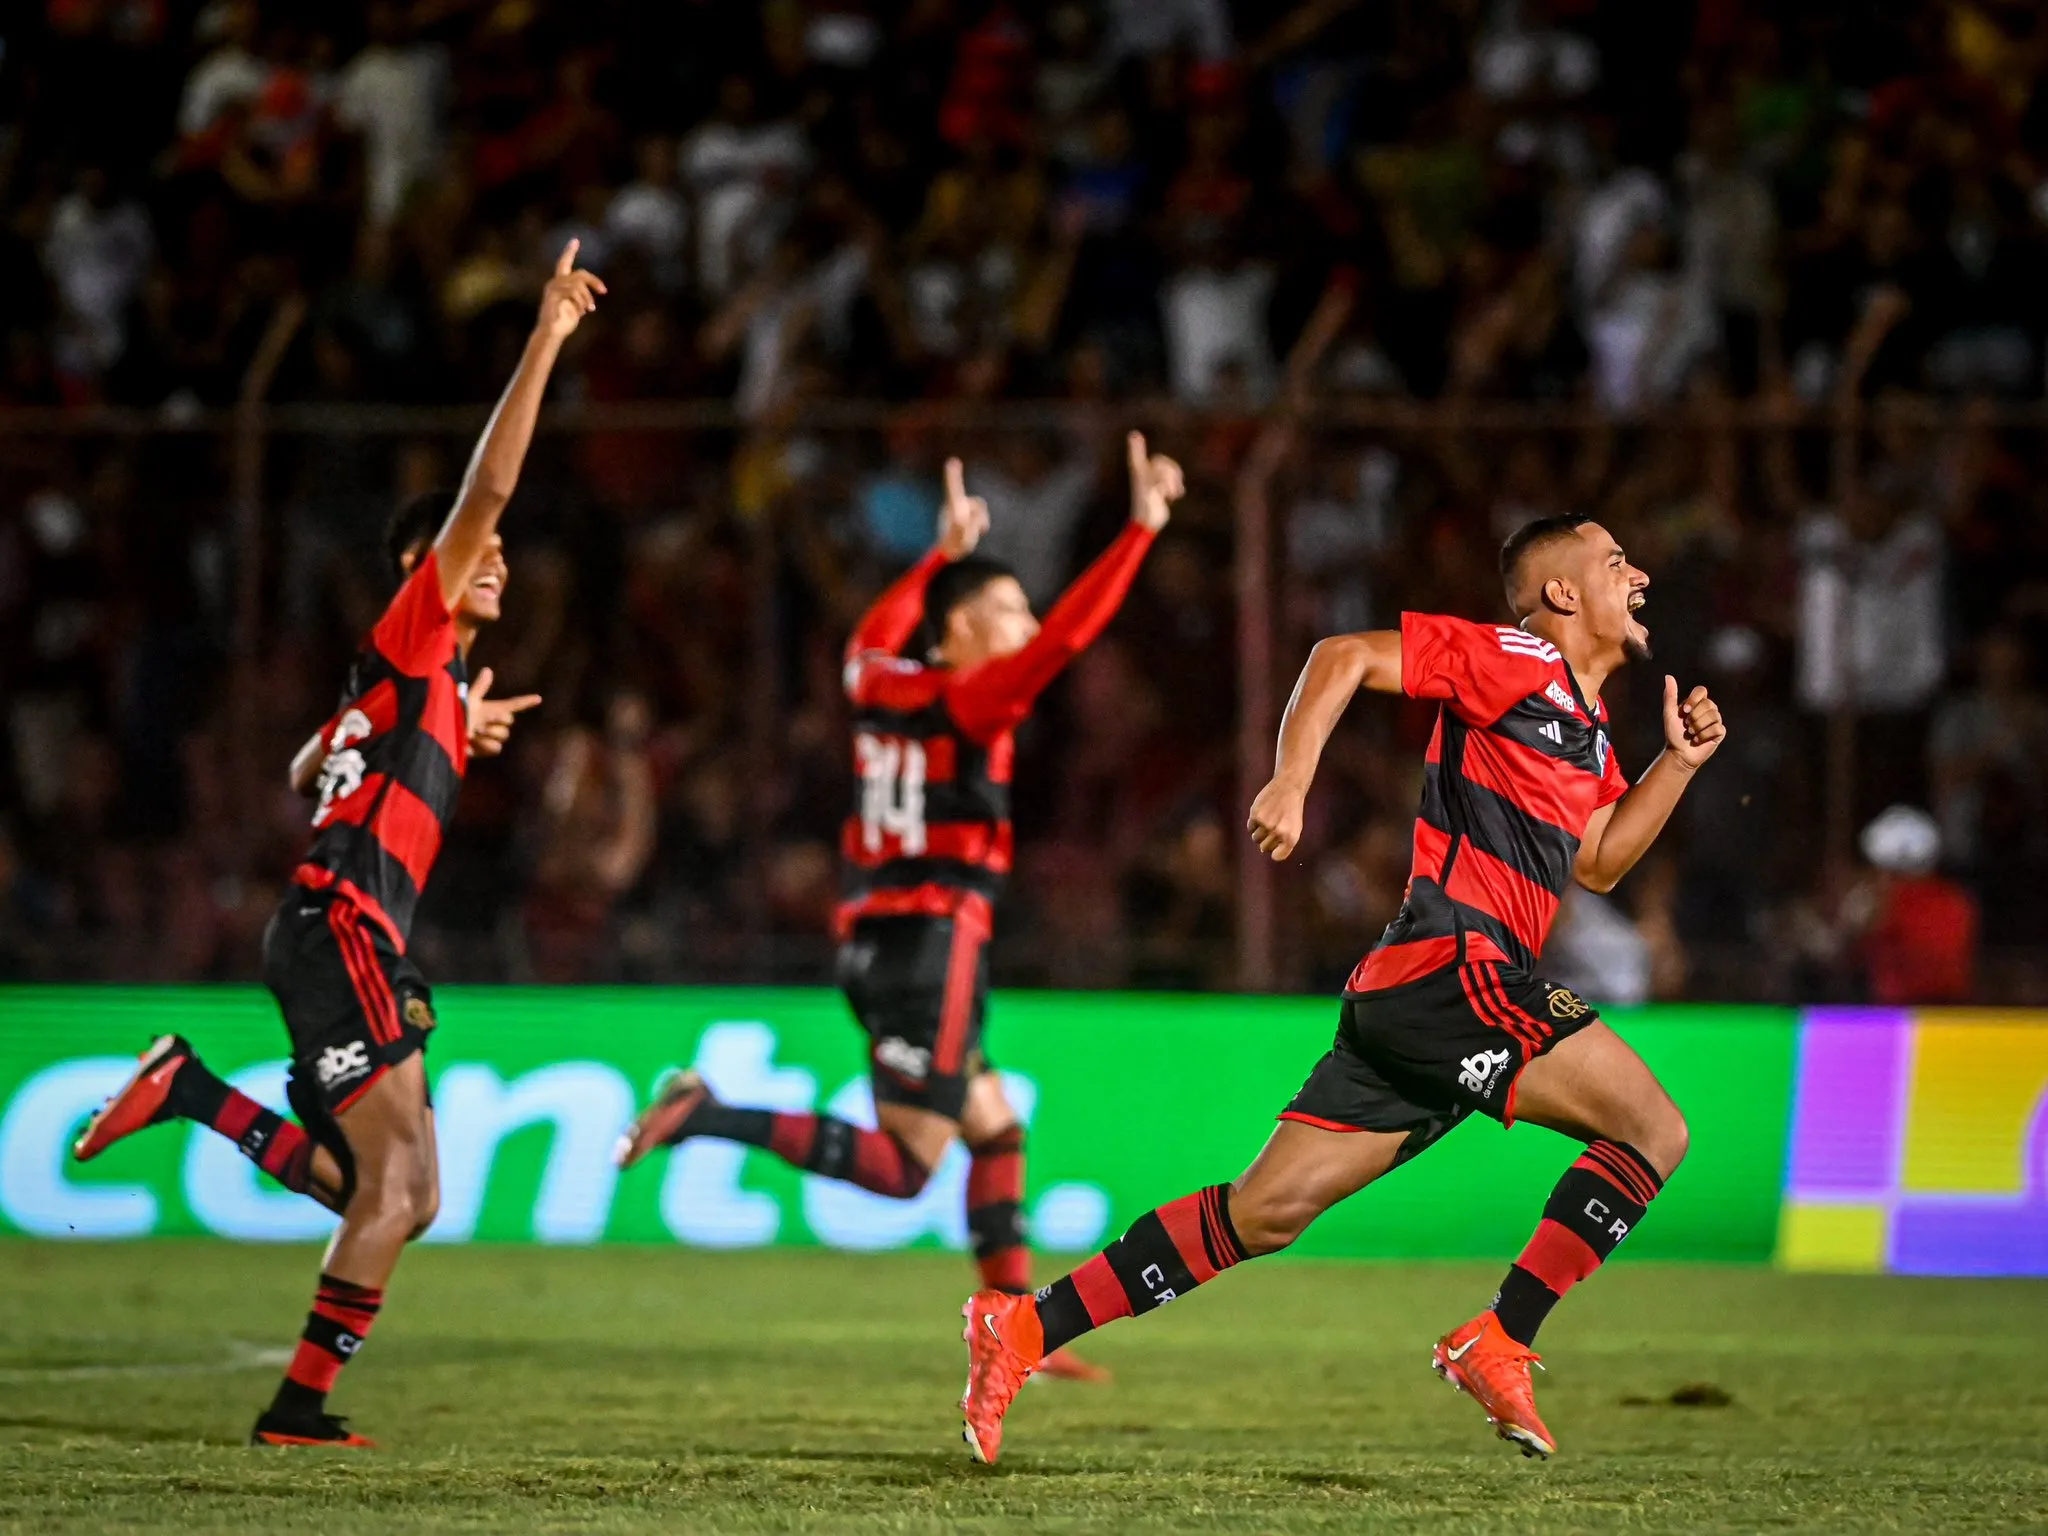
(631, 1390)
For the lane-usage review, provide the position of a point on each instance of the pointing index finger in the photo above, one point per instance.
(1134, 447)
(523, 702)
(566, 262)
(956, 483)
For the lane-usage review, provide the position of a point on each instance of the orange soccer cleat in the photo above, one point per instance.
(674, 1102)
(1005, 1344)
(139, 1102)
(275, 1428)
(1480, 1359)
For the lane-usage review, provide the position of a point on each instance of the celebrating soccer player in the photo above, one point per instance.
(386, 769)
(926, 851)
(1446, 1016)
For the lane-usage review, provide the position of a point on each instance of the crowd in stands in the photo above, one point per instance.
(1764, 282)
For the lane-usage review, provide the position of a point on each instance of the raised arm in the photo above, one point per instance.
(1621, 833)
(1337, 668)
(996, 695)
(494, 468)
(893, 617)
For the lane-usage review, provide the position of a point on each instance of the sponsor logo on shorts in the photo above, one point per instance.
(1555, 692)
(1567, 1004)
(1482, 1071)
(904, 1059)
(418, 1014)
(342, 1063)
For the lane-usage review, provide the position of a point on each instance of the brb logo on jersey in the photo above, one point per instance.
(1482, 1071)
(341, 775)
(1555, 692)
(343, 1063)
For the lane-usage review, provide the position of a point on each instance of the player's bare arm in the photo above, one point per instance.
(1337, 668)
(465, 540)
(1620, 834)
(305, 770)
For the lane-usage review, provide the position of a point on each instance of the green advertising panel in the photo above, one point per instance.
(1132, 1099)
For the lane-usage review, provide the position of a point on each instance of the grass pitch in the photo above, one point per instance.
(641, 1390)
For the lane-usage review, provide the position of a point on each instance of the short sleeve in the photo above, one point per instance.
(417, 630)
(1478, 669)
(1613, 782)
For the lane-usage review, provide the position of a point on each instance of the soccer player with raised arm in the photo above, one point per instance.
(1446, 1015)
(925, 852)
(386, 769)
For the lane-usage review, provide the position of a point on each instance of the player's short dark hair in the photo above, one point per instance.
(415, 523)
(954, 584)
(1533, 535)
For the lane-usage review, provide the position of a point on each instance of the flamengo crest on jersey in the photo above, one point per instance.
(396, 751)
(1517, 765)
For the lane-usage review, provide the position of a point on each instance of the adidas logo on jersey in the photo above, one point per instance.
(1520, 642)
(1481, 1072)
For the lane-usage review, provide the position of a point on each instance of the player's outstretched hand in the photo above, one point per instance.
(1275, 820)
(490, 720)
(1156, 484)
(1693, 729)
(570, 294)
(963, 519)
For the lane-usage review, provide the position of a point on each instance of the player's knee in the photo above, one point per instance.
(388, 1204)
(1267, 1225)
(1665, 1140)
(426, 1203)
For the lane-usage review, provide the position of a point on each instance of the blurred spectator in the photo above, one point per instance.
(393, 94)
(741, 171)
(1920, 945)
(97, 254)
(596, 837)
(650, 218)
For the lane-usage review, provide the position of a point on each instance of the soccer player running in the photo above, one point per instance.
(386, 769)
(1446, 1015)
(926, 850)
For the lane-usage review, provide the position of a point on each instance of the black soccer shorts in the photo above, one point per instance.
(354, 1005)
(1422, 1056)
(919, 987)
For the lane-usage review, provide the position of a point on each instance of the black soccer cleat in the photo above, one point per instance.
(276, 1428)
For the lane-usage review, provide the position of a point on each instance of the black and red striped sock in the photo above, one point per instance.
(273, 1143)
(1595, 1205)
(837, 1149)
(1166, 1254)
(995, 1211)
(335, 1329)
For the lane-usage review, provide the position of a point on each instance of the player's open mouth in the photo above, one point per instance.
(491, 584)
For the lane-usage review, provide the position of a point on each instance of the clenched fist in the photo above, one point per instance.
(1275, 820)
(1693, 729)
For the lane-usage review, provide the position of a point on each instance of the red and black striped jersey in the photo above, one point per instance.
(933, 746)
(1518, 763)
(396, 751)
